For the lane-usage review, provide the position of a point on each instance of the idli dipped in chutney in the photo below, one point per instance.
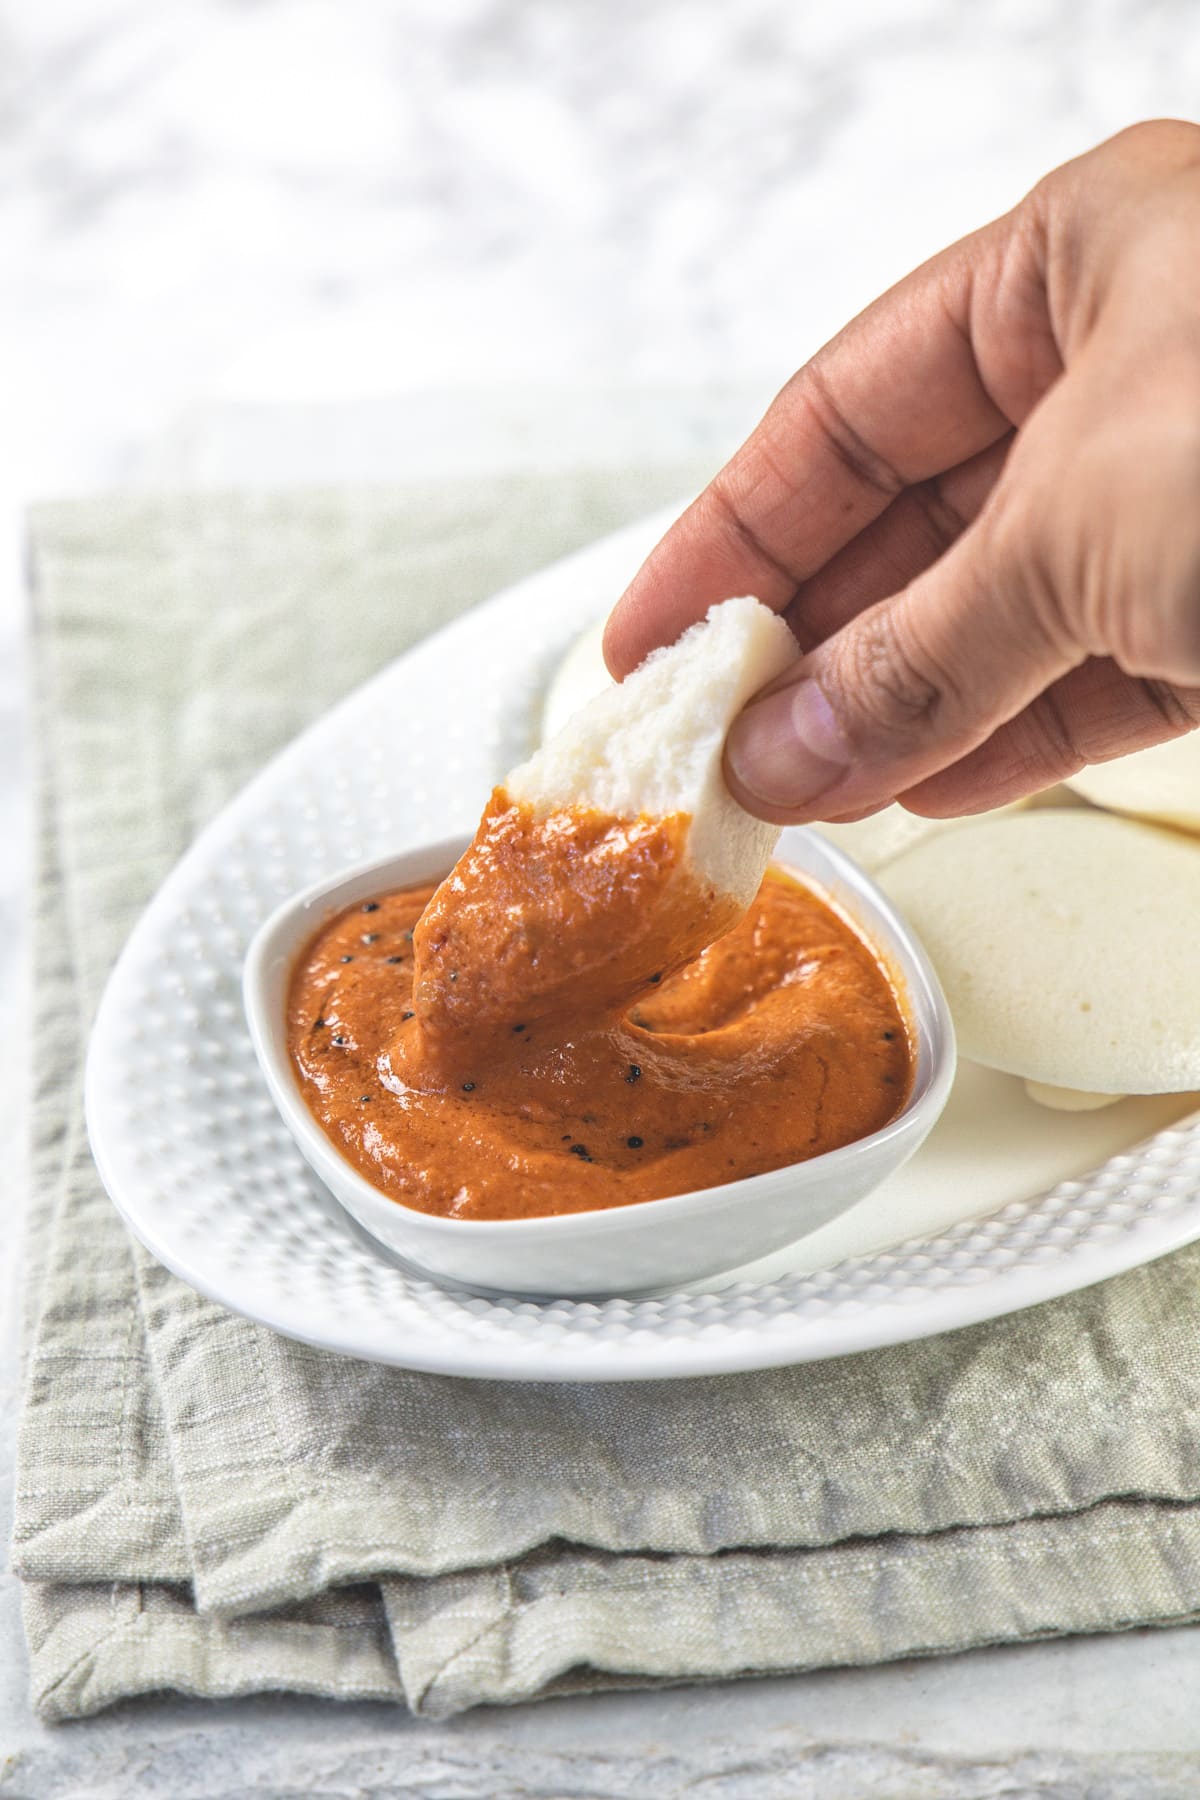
(612, 996)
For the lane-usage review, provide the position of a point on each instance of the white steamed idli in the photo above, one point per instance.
(1068, 947)
(1162, 783)
(875, 842)
(653, 745)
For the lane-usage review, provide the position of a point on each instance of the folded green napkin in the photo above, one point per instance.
(206, 1506)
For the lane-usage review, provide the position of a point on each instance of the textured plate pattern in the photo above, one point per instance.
(203, 1170)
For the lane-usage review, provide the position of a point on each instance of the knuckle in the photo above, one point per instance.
(891, 683)
(1155, 641)
(1168, 143)
(734, 519)
(941, 522)
(1166, 645)
(1021, 538)
(1178, 708)
(1132, 161)
(1140, 555)
(1052, 750)
(865, 465)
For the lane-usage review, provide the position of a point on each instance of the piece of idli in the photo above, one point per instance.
(652, 746)
(1162, 783)
(1067, 944)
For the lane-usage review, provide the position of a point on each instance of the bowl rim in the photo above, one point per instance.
(282, 935)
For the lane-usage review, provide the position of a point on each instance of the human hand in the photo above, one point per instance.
(978, 508)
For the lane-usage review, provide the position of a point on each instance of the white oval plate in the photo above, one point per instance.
(204, 1171)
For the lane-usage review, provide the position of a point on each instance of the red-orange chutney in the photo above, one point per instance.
(507, 1051)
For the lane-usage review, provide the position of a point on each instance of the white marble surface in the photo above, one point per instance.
(285, 240)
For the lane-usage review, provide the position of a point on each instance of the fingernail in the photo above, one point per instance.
(787, 750)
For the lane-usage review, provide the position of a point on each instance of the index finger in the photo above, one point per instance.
(936, 370)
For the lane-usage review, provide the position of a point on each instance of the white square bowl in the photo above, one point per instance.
(626, 1249)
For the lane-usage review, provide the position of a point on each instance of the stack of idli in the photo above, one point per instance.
(1068, 943)
(1066, 931)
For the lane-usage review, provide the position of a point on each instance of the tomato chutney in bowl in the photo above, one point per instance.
(593, 1127)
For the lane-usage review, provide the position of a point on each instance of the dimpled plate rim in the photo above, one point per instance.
(205, 1173)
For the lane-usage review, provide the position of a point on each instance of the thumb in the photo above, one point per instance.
(906, 688)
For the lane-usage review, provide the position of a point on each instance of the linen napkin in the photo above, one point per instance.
(203, 1505)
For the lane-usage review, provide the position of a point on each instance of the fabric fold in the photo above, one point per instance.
(513, 1635)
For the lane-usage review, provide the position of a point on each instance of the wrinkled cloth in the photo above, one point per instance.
(206, 1506)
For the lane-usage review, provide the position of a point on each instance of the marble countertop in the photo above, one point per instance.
(282, 241)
